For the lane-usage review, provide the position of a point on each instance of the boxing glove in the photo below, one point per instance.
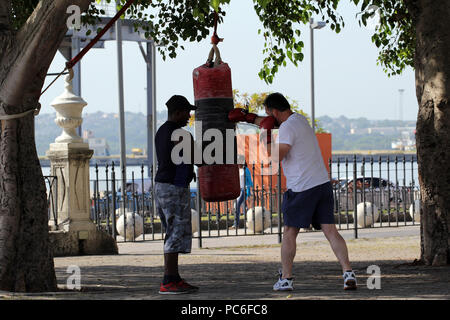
(268, 123)
(239, 114)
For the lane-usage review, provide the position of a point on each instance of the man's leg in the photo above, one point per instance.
(239, 203)
(288, 250)
(170, 259)
(171, 265)
(174, 210)
(338, 245)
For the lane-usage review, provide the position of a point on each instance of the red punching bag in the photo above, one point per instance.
(213, 96)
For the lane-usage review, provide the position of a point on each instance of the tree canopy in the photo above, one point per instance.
(170, 22)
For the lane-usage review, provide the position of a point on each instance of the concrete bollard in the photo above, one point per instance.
(134, 224)
(415, 210)
(368, 221)
(194, 222)
(254, 219)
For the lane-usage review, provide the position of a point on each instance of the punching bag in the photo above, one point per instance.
(213, 96)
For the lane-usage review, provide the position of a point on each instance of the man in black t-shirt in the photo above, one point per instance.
(172, 195)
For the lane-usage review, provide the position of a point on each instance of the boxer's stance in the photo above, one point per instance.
(309, 196)
(172, 196)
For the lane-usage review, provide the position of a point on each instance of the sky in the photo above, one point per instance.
(348, 81)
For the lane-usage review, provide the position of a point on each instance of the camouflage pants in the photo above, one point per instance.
(174, 208)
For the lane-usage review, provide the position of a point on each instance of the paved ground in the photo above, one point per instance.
(245, 267)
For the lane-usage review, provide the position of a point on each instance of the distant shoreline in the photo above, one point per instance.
(336, 152)
(367, 155)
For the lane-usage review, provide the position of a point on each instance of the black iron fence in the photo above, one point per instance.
(370, 193)
(51, 183)
(375, 193)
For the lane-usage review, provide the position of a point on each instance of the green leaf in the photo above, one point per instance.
(215, 4)
(298, 56)
(289, 54)
(377, 42)
(195, 12)
(364, 5)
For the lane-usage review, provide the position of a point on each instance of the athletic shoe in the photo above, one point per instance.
(283, 284)
(349, 280)
(172, 288)
(188, 287)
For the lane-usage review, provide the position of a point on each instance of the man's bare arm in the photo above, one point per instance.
(283, 149)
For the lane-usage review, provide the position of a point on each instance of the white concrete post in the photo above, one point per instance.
(69, 160)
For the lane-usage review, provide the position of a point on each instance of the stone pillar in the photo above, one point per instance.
(73, 233)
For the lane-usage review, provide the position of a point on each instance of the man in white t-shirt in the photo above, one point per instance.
(309, 196)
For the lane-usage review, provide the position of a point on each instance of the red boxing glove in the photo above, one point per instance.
(239, 114)
(268, 123)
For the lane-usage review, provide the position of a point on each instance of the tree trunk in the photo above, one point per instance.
(432, 65)
(26, 260)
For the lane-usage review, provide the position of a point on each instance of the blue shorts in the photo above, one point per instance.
(313, 206)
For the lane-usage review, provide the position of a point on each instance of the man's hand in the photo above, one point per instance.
(239, 114)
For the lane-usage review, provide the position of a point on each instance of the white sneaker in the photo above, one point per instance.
(283, 284)
(349, 280)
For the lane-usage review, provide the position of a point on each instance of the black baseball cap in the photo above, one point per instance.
(177, 102)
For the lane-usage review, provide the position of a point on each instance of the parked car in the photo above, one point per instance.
(138, 186)
(365, 183)
(338, 183)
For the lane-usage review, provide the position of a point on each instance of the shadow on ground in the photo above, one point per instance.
(250, 280)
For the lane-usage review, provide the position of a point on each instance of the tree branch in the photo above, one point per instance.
(413, 8)
(5, 14)
(6, 34)
(36, 45)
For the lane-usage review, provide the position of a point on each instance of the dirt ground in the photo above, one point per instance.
(249, 272)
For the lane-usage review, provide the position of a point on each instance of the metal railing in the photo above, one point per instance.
(51, 183)
(385, 192)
